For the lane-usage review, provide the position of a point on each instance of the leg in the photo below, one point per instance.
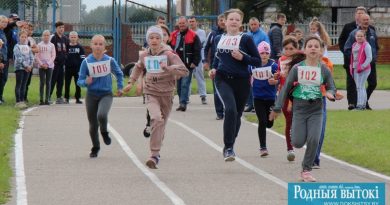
(199, 76)
(18, 85)
(24, 85)
(102, 113)
(153, 105)
(49, 73)
(323, 126)
(351, 90)
(3, 79)
(287, 131)
(29, 76)
(68, 78)
(77, 94)
(249, 102)
(42, 81)
(92, 104)
(185, 88)
(241, 88)
(54, 77)
(60, 81)
(372, 81)
(217, 103)
(262, 116)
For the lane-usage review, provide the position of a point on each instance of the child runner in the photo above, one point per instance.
(163, 67)
(235, 52)
(290, 47)
(318, 29)
(307, 76)
(95, 74)
(45, 58)
(75, 56)
(360, 68)
(23, 60)
(264, 93)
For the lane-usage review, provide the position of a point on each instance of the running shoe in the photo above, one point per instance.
(229, 155)
(307, 177)
(290, 155)
(153, 162)
(263, 152)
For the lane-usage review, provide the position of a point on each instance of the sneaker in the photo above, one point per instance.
(229, 155)
(204, 101)
(1, 102)
(66, 101)
(182, 108)
(106, 138)
(351, 107)
(263, 152)
(315, 166)
(307, 177)
(290, 155)
(42, 103)
(147, 131)
(219, 117)
(368, 107)
(78, 101)
(60, 101)
(94, 152)
(153, 162)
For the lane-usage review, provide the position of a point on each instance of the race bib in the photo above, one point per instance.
(229, 42)
(152, 63)
(263, 73)
(99, 69)
(309, 75)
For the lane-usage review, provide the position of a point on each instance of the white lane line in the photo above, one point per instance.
(362, 169)
(21, 188)
(239, 160)
(161, 185)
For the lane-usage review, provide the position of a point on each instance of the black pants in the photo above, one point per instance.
(262, 108)
(217, 103)
(351, 88)
(57, 79)
(233, 93)
(3, 79)
(69, 73)
(20, 85)
(28, 84)
(372, 81)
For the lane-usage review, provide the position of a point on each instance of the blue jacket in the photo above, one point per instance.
(261, 88)
(4, 49)
(372, 39)
(259, 36)
(227, 65)
(100, 86)
(210, 44)
(23, 56)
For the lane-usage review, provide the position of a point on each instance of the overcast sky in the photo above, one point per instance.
(92, 4)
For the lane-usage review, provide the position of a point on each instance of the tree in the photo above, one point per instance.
(300, 10)
(202, 7)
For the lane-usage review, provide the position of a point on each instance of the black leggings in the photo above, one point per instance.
(262, 108)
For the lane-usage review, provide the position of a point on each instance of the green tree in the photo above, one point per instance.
(202, 7)
(299, 10)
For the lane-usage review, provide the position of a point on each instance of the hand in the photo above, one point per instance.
(192, 65)
(138, 90)
(273, 115)
(1, 65)
(119, 93)
(206, 66)
(28, 69)
(330, 97)
(164, 65)
(289, 106)
(212, 73)
(276, 76)
(236, 54)
(339, 96)
(272, 81)
(128, 88)
(89, 80)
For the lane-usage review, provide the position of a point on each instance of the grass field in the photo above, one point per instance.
(360, 138)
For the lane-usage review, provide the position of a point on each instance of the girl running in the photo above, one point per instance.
(307, 76)
(360, 67)
(235, 52)
(264, 93)
(95, 74)
(162, 67)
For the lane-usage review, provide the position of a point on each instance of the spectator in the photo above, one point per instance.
(187, 45)
(276, 36)
(372, 39)
(318, 29)
(209, 53)
(34, 48)
(347, 29)
(3, 55)
(61, 43)
(198, 71)
(161, 20)
(75, 56)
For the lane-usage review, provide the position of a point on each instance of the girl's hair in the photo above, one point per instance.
(298, 30)
(226, 13)
(2, 17)
(292, 40)
(314, 37)
(321, 30)
(21, 32)
(166, 29)
(296, 58)
(360, 31)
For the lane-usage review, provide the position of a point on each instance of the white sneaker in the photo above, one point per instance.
(290, 155)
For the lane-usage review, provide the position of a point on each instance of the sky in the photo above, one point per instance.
(92, 4)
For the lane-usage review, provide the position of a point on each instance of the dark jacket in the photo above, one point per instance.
(275, 35)
(187, 45)
(75, 56)
(60, 44)
(371, 38)
(12, 38)
(209, 45)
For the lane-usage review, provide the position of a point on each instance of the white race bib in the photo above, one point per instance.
(99, 69)
(152, 63)
(309, 75)
(229, 42)
(263, 73)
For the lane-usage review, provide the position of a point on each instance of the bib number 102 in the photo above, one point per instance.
(308, 75)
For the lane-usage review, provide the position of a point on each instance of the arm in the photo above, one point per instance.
(83, 73)
(17, 55)
(253, 57)
(197, 51)
(348, 44)
(368, 52)
(215, 55)
(343, 38)
(176, 66)
(207, 47)
(291, 78)
(53, 55)
(138, 69)
(38, 58)
(329, 82)
(118, 73)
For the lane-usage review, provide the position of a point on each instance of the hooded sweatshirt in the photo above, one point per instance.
(159, 82)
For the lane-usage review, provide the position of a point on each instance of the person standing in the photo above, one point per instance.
(258, 36)
(34, 48)
(276, 36)
(198, 71)
(4, 55)
(75, 56)
(372, 39)
(235, 52)
(209, 53)
(95, 74)
(60, 42)
(162, 67)
(45, 58)
(187, 45)
(347, 29)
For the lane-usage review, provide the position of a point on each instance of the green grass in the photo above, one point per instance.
(383, 74)
(360, 138)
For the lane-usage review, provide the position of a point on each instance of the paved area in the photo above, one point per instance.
(58, 170)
